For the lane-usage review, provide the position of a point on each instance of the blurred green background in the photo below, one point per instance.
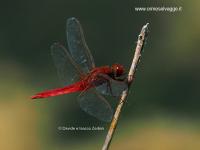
(162, 111)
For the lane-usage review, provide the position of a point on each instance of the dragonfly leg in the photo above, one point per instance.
(109, 86)
(106, 79)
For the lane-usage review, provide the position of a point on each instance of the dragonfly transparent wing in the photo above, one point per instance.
(68, 70)
(96, 105)
(77, 45)
(110, 86)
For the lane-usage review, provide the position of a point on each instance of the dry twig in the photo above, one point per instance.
(136, 58)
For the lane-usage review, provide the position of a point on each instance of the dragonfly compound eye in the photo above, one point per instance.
(117, 69)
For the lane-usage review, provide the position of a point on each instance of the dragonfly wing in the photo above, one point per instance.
(68, 70)
(96, 105)
(111, 87)
(77, 45)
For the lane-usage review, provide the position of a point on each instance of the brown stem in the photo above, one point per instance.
(131, 74)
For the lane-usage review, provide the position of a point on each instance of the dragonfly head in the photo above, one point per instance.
(117, 70)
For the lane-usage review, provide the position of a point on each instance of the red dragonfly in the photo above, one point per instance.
(77, 67)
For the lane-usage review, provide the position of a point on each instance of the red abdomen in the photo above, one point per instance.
(76, 87)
